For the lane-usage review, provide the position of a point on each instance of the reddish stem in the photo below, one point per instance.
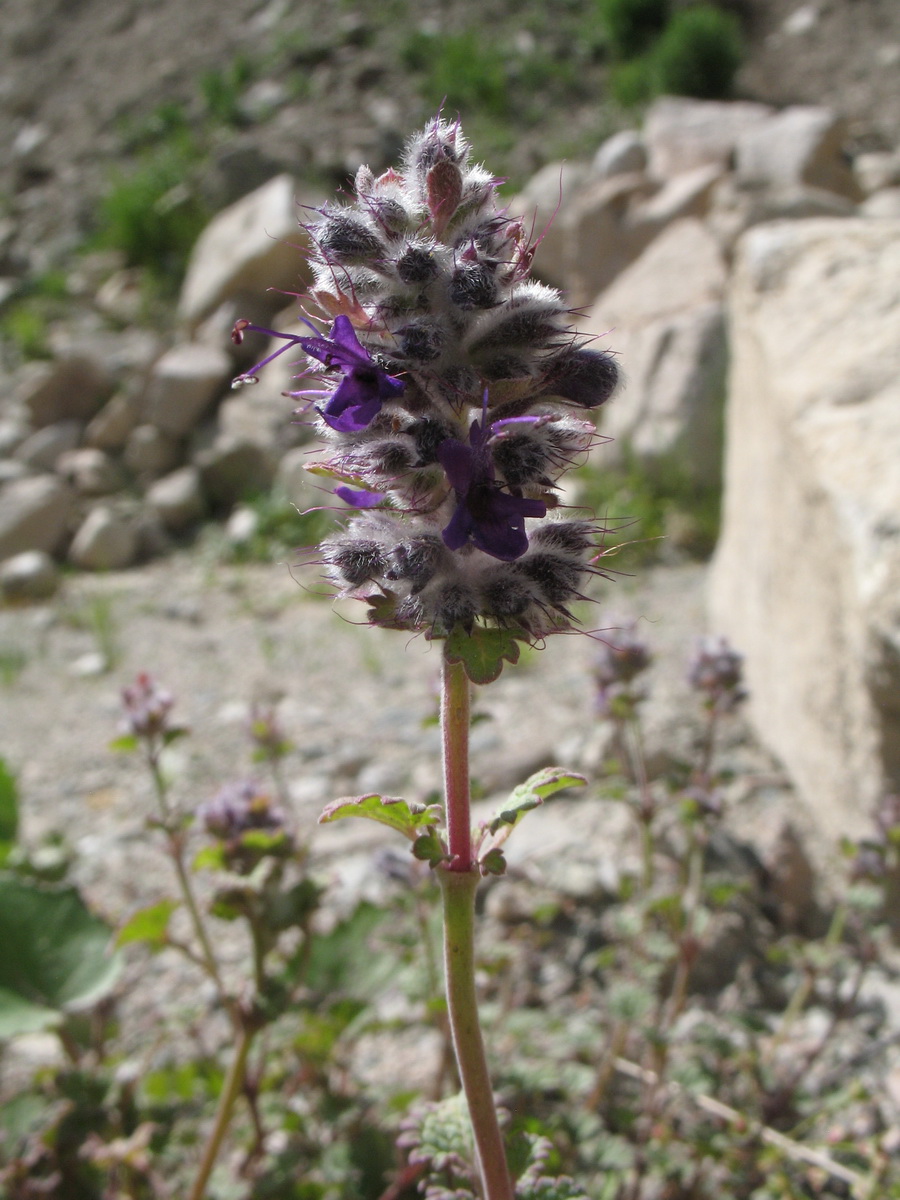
(455, 735)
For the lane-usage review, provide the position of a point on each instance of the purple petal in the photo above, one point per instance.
(458, 460)
(458, 529)
(359, 497)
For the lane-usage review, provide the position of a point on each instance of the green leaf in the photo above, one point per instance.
(293, 906)
(9, 805)
(149, 925)
(210, 858)
(409, 819)
(532, 794)
(482, 652)
(493, 863)
(343, 959)
(55, 956)
(126, 744)
(429, 848)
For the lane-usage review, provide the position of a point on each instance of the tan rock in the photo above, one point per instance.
(681, 134)
(105, 541)
(598, 241)
(232, 469)
(183, 385)
(877, 170)
(31, 575)
(253, 245)
(34, 514)
(110, 428)
(664, 317)
(541, 204)
(178, 499)
(622, 154)
(70, 388)
(687, 194)
(883, 205)
(807, 572)
(149, 452)
(43, 449)
(802, 145)
(91, 472)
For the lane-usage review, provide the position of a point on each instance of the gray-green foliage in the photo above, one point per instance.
(56, 956)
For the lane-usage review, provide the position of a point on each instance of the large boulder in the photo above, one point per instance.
(664, 317)
(807, 573)
(681, 134)
(598, 240)
(107, 540)
(72, 387)
(801, 145)
(183, 385)
(34, 514)
(541, 204)
(252, 246)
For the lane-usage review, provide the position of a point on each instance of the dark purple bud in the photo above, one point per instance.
(473, 285)
(417, 265)
(521, 460)
(506, 594)
(456, 604)
(389, 213)
(416, 561)
(354, 559)
(347, 238)
(556, 577)
(422, 341)
(389, 458)
(428, 434)
(585, 377)
(565, 537)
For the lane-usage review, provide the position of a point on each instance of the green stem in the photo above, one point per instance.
(231, 1089)
(459, 956)
(184, 882)
(455, 738)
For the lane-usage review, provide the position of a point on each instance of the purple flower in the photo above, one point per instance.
(147, 707)
(238, 808)
(362, 391)
(493, 520)
(365, 385)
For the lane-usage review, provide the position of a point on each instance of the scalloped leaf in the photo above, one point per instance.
(482, 652)
(408, 819)
(429, 848)
(530, 795)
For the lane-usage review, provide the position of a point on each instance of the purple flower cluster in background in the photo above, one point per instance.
(451, 396)
(716, 670)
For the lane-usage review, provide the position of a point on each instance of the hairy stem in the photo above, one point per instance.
(231, 1089)
(459, 957)
(455, 738)
(459, 882)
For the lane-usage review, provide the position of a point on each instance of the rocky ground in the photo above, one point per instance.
(62, 135)
(351, 699)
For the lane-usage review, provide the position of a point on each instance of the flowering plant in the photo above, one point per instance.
(453, 393)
